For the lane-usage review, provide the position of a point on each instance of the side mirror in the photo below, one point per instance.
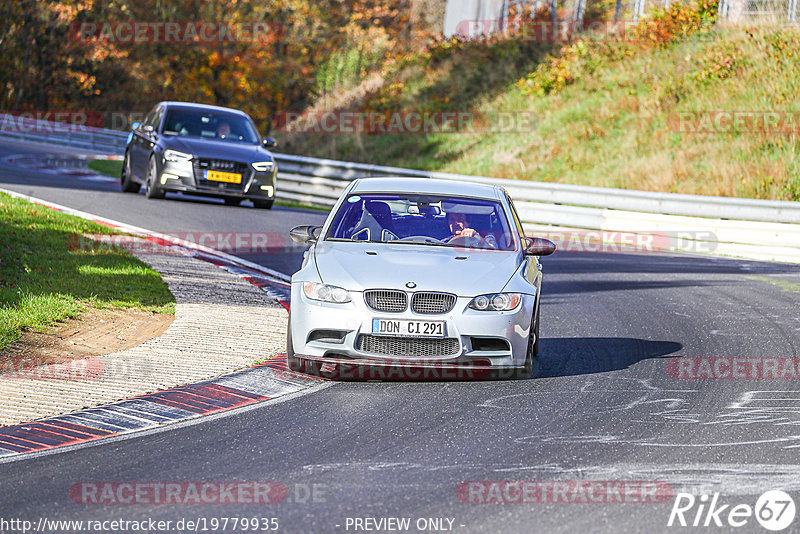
(135, 125)
(538, 246)
(269, 142)
(305, 234)
(148, 128)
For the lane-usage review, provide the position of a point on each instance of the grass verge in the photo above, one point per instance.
(108, 167)
(43, 280)
(605, 113)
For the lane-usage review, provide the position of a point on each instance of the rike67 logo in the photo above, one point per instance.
(774, 510)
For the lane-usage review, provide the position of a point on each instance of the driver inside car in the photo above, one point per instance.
(223, 130)
(460, 227)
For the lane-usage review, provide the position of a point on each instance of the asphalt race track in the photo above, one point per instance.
(605, 407)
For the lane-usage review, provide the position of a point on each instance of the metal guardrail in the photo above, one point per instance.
(760, 229)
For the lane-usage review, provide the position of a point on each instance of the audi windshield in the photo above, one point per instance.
(210, 125)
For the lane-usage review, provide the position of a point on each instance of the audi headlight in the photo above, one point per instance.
(326, 293)
(262, 166)
(496, 302)
(175, 156)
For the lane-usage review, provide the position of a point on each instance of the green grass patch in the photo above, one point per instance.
(108, 167)
(44, 278)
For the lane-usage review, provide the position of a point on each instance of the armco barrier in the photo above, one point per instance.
(749, 228)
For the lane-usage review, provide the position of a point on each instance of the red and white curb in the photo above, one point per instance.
(264, 382)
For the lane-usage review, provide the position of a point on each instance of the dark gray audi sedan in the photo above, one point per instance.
(202, 150)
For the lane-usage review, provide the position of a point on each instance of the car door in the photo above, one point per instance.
(150, 137)
(138, 150)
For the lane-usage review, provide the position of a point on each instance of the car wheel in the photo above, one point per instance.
(126, 179)
(152, 187)
(294, 363)
(531, 356)
(535, 350)
(264, 204)
(233, 201)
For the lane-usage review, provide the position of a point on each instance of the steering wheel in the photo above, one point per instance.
(467, 241)
(423, 238)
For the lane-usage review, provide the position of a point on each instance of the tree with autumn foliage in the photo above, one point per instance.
(45, 65)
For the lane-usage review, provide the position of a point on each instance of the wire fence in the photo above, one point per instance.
(779, 11)
(507, 13)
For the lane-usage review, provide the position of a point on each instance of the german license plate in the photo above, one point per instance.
(227, 177)
(408, 327)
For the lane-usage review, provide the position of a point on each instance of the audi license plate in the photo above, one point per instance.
(227, 177)
(407, 327)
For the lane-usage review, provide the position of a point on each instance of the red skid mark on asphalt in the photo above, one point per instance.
(203, 398)
(43, 435)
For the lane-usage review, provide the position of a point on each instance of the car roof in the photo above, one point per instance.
(431, 186)
(208, 107)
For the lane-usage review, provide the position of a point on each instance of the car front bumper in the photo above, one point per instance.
(183, 177)
(329, 333)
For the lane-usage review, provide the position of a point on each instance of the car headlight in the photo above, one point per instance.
(175, 156)
(496, 302)
(326, 293)
(262, 166)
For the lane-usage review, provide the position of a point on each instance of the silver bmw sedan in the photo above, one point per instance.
(414, 278)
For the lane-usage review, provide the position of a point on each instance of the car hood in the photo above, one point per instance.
(209, 148)
(461, 271)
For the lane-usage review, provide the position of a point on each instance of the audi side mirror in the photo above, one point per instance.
(305, 234)
(538, 246)
(269, 142)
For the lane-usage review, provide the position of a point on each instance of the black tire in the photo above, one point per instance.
(531, 356)
(535, 350)
(264, 204)
(152, 187)
(128, 184)
(229, 201)
(294, 363)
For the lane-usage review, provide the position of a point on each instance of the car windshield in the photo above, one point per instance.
(210, 125)
(422, 219)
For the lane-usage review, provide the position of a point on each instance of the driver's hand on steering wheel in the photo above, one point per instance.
(467, 232)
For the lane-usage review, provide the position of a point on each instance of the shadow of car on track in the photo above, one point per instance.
(666, 262)
(571, 356)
